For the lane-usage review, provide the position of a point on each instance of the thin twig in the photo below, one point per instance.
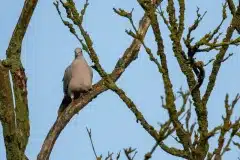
(90, 137)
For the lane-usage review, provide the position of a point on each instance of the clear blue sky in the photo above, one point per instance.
(47, 50)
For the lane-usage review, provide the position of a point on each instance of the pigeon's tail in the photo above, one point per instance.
(65, 102)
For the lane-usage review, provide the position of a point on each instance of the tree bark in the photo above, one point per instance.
(15, 121)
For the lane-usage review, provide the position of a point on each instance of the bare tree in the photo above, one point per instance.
(192, 136)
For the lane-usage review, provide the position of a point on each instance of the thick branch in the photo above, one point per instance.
(181, 18)
(13, 62)
(7, 116)
(231, 6)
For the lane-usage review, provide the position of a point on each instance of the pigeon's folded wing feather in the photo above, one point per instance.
(66, 79)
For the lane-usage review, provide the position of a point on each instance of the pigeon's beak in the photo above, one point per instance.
(78, 54)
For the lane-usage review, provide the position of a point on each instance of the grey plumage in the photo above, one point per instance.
(77, 79)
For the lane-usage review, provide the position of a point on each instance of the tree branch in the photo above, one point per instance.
(183, 136)
(13, 63)
(129, 55)
(216, 65)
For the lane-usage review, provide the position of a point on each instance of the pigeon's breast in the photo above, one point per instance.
(81, 76)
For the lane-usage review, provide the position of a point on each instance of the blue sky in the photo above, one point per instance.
(48, 49)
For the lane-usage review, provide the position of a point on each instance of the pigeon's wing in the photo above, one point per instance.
(66, 79)
(88, 70)
(91, 72)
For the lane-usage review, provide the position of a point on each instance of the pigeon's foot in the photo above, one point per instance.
(90, 89)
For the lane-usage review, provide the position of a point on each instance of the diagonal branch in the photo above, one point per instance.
(231, 6)
(216, 65)
(128, 15)
(150, 129)
(128, 57)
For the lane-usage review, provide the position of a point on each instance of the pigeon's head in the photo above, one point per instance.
(78, 52)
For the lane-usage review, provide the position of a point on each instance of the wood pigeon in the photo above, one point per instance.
(77, 79)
